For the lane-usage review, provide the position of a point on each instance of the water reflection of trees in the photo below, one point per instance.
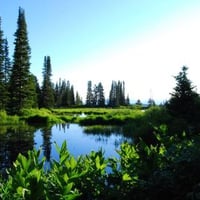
(62, 127)
(102, 130)
(103, 133)
(47, 134)
(15, 140)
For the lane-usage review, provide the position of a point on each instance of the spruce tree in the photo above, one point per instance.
(67, 94)
(72, 98)
(117, 94)
(7, 63)
(101, 97)
(47, 86)
(21, 82)
(113, 94)
(78, 100)
(2, 82)
(184, 102)
(57, 95)
(89, 96)
(127, 101)
(95, 93)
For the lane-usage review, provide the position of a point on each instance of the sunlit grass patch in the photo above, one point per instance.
(6, 119)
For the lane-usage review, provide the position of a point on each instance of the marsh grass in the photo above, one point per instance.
(89, 116)
(112, 117)
(6, 119)
(39, 116)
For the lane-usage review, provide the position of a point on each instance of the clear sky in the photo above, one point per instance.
(145, 43)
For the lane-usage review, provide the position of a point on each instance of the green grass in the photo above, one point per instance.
(99, 116)
(8, 120)
(39, 116)
(92, 116)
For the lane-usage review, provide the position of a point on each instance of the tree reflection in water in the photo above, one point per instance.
(14, 140)
(47, 134)
(80, 140)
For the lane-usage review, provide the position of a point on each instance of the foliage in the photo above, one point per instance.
(166, 170)
(184, 104)
(117, 94)
(22, 88)
(64, 95)
(3, 92)
(47, 96)
(6, 119)
(39, 116)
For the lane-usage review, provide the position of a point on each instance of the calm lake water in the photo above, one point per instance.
(80, 140)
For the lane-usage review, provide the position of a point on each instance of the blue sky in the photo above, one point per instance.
(143, 42)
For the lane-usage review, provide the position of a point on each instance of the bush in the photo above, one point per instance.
(167, 170)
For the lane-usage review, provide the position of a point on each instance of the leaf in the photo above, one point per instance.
(63, 147)
(126, 177)
(24, 161)
(36, 174)
(71, 196)
(57, 148)
(73, 163)
(97, 161)
(67, 188)
(63, 157)
(66, 178)
(21, 191)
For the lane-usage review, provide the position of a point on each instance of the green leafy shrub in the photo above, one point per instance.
(169, 169)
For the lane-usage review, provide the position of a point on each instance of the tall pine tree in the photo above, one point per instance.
(2, 82)
(78, 100)
(117, 94)
(89, 96)
(22, 88)
(47, 86)
(101, 97)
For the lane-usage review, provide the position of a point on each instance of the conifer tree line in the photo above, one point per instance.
(19, 88)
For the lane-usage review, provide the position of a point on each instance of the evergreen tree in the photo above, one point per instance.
(121, 93)
(57, 94)
(78, 100)
(117, 94)
(3, 92)
(127, 101)
(151, 102)
(95, 95)
(47, 86)
(184, 101)
(67, 94)
(72, 98)
(101, 97)
(7, 63)
(36, 87)
(138, 102)
(21, 81)
(89, 96)
(113, 95)
(64, 94)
